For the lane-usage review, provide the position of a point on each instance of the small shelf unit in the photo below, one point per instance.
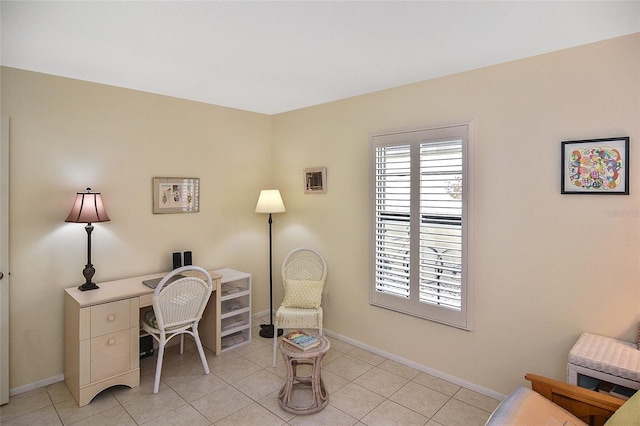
(235, 308)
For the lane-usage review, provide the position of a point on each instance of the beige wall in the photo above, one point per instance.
(546, 266)
(67, 135)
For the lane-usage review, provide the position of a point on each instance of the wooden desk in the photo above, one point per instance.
(102, 333)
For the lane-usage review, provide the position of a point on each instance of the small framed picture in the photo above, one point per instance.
(595, 166)
(315, 180)
(176, 195)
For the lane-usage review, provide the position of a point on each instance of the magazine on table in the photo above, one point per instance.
(301, 340)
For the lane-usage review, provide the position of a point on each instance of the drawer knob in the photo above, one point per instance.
(111, 318)
(112, 341)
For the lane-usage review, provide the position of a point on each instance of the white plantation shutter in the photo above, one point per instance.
(393, 207)
(441, 225)
(419, 251)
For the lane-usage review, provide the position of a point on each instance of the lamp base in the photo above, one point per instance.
(88, 272)
(88, 286)
(266, 330)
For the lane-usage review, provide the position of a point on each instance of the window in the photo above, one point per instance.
(419, 249)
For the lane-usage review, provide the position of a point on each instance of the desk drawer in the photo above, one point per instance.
(110, 355)
(110, 317)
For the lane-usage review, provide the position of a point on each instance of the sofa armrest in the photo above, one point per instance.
(590, 406)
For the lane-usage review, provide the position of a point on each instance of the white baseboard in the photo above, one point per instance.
(36, 385)
(257, 315)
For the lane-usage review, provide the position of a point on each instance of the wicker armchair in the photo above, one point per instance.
(304, 272)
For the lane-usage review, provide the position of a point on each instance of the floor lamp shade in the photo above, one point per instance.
(88, 208)
(270, 202)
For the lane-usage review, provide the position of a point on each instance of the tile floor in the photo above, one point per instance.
(242, 389)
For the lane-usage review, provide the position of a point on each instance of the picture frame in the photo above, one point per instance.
(176, 195)
(595, 166)
(315, 180)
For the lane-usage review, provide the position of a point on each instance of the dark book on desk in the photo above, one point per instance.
(301, 340)
(154, 282)
(622, 392)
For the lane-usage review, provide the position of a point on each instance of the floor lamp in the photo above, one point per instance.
(88, 208)
(270, 202)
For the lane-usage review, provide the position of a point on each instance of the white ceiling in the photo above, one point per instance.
(272, 57)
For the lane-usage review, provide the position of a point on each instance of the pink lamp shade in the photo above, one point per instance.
(88, 208)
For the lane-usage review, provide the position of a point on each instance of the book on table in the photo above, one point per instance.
(622, 392)
(301, 340)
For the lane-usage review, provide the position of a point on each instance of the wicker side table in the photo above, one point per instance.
(293, 358)
(605, 358)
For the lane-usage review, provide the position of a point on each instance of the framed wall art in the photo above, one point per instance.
(595, 166)
(176, 195)
(315, 180)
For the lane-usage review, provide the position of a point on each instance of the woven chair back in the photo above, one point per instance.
(183, 301)
(304, 264)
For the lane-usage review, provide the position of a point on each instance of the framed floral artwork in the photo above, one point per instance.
(595, 166)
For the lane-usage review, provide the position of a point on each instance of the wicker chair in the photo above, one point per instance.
(178, 304)
(304, 272)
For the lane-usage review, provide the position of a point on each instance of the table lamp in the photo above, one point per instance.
(88, 208)
(270, 202)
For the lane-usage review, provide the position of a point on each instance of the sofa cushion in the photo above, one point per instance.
(526, 407)
(627, 414)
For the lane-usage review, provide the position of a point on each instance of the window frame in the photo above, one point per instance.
(464, 318)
